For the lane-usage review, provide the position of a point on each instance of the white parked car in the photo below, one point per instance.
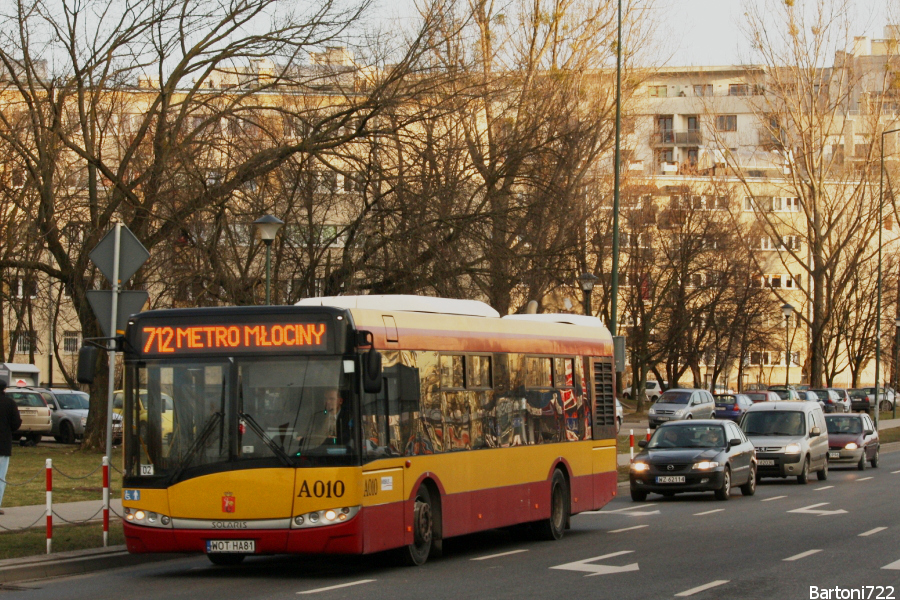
(652, 389)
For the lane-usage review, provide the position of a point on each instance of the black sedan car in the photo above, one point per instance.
(694, 456)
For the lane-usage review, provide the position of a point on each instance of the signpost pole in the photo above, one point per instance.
(112, 327)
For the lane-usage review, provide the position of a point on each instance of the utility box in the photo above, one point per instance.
(20, 374)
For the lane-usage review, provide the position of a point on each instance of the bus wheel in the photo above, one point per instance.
(423, 529)
(554, 527)
(225, 560)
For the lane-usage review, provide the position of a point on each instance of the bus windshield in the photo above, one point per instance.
(291, 411)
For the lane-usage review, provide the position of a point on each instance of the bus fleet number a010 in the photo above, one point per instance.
(322, 489)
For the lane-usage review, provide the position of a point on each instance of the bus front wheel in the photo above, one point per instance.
(423, 529)
(554, 527)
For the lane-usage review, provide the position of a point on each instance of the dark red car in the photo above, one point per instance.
(852, 439)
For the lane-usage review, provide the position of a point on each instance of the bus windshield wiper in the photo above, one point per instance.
(268, 441)
(207, 430)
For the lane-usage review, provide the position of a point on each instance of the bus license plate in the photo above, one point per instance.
(670, 479)
(834, 454)
(220, 546)
(766, 462)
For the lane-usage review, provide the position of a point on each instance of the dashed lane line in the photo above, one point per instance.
(872, 531)
(827, 487)
(774, 498)
(628, 528)
(894, 472)
(709, 512)
(865, 479)
(702, 588)
(500, 554)
(894, 566)
(337, 587)
(801, 555)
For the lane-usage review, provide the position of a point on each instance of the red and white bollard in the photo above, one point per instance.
(49, 505)
(648, 434)
(105, 501)
(631, 443)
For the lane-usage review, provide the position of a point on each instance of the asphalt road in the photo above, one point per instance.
(840, 533)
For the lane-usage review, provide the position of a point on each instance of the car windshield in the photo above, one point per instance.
(774, 422)
(852, 425)
(726, 401)
(821, 393)
(858, 394)
(758, 397)
(674, 398)
(27, 399)
(688, 436)
(77, 401)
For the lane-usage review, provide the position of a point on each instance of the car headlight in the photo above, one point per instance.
(678, 413)
(705, 465)
(84, 421)
(652, 411)
(792, 449)
(324, 517)
(639, 467)
(851, 446)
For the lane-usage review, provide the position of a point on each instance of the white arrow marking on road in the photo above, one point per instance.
(499, 555)
(628, 528)
(812, 510)
(894, 566)
(827, 487)
(709, 512)
(774, 498)
(864, 479)
(337, 587)
(872, 531)
(583, 566)
(702, 588)
(802, 555)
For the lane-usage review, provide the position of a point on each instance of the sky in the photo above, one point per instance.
(706, 32)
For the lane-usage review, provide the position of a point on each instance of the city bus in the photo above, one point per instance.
(359, 424)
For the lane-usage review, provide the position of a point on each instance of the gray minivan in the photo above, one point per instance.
(791, 439)
(682, 403)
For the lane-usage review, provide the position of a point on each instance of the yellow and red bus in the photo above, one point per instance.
(358, 424)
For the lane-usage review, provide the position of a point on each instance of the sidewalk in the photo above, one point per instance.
(20, 517)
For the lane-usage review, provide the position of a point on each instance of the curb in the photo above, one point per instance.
(74, 562)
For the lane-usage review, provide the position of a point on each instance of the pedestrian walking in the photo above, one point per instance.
(9, 421)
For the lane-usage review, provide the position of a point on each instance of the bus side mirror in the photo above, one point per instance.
(372, 371)
(87, 363)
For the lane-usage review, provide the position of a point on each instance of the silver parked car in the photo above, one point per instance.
(68, 411)
(682, 403)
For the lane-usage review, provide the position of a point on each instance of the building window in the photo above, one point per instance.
(71, 342)
(705, 89)
(26, 342)
(726, 122)
(658, 91)
(26, 287)
(738, 89)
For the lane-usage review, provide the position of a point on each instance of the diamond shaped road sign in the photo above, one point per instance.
(130, 302)
(132, 255)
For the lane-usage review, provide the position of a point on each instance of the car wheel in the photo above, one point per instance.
(66, 433)
(874, 460)
(749, 488)
(225, 560)
(823, 472)
(554, 527)
(861, 465)
(618, 424)
(689, 417)
(34, 438)
(884, 406)
(803, 477)
(627, 396)
(423, 529)
(723, 492)
(638, 496)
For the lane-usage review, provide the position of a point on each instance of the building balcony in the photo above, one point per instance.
(672, 137)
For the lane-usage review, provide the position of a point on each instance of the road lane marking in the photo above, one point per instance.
(501, 554)
(813, 510)
(584, 567)
(827, 487)
(872, 531)
(894, 472)
(709, 512)
(702, 588)
(774, 498)
(865, 479)
(337, 587)
(894, 566)
(628, 528)
(802, 555)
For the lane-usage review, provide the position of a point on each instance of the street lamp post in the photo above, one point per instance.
(787, 310)
(878, 301)
(614, 293)
(896, 360)
(268, 227)
(587, 281)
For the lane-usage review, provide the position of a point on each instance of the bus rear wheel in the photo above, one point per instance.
(423, 529)
(225, 560)
(554, 527)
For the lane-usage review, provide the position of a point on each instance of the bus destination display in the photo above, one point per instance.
(258, 337)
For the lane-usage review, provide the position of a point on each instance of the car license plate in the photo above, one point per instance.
(834, 454)
(662, 418)
(670, 479)
(241, 546)
(766, 462)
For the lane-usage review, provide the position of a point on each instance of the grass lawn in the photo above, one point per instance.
(70, 537)
(27, 475)
(889, 435)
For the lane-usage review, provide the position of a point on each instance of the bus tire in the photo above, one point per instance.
(417, 553)
(554, 527)
(226, 560)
